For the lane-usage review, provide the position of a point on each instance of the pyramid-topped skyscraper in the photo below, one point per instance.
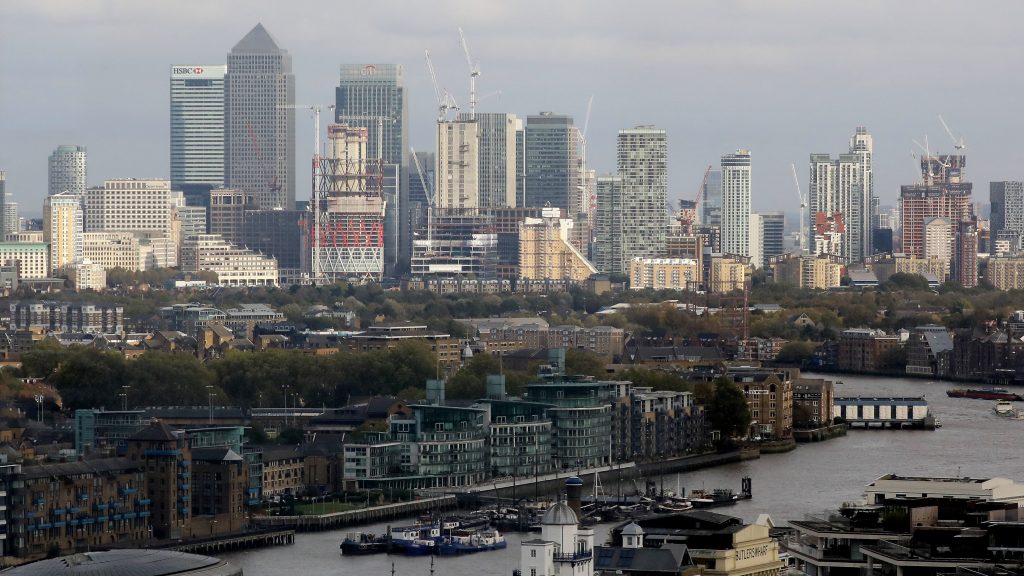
(259, 154)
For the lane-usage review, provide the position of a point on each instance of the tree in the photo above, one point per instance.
(170, 379)
(470, 382)
(90, 378)
(730, 414)
(795, 352)
(655, 379)
(585, 363)
(43, 359)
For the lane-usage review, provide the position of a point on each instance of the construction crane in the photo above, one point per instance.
(957, 144)
(445, 102)
(315, 108)
(314, 202)
(429, 192)
(701, 192)
(582, 135)
(474, 73)
(802, 243)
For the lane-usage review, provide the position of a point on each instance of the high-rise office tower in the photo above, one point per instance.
(736, 203)
(552, 162)
(862, 145)
(642, 158)
(12, 223)
(458, 165)
(226, 214)
(63, 228)
(67, 170)
(1007, 200)
(608, 220)
(520, 163)
(497, 153)
(4, 199)
(259, 126)
(197, 130)
(711, 205)
(835, 186)
(771, 236)
(373, 96)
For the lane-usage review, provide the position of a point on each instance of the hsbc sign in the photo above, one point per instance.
(198, 71)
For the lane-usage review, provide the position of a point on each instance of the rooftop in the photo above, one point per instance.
(129, 562)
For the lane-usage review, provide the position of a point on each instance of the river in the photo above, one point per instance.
(973, 441)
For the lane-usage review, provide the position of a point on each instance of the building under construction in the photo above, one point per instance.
(456, 242)
(347, 237)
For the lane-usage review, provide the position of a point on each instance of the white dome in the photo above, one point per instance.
(560, 515)
(632, 529)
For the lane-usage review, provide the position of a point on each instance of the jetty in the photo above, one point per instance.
(314, 523)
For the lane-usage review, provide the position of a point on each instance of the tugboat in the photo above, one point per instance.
(416, 540)
(357, 543)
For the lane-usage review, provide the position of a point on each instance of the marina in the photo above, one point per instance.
(790, 485)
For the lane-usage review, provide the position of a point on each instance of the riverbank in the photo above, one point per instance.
(334, 520)
(820, 434)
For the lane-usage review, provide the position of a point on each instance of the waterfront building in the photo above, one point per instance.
(31, 258)
(718, 545)
(227, 208)
(865, 349)
(63, 225)
(929, 351)
(996, 489)
(769, 396)
(545, 251)
(664, 424)
(197, 130)
(552, 162)
(67, 170)
(283, 471)
(518, 437)
(664, 274)
(813, 402)
(259, 121)
(804, 271)
(95, 503)
(735, 213)
(234, 266)
(443, 445)
(370, 459)
(581, 420)
(106, 431)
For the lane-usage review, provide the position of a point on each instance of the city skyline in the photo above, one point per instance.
(785, 107)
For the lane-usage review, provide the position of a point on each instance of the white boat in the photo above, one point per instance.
(1005, 408)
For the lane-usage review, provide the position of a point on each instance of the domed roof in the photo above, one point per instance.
(560, 515)
(632, 529)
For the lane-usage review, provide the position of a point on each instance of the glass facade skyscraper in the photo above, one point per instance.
(67, 171)
(197, 130)
(552, 163)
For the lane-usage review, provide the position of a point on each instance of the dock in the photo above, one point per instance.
(315, 523)
(884, 412)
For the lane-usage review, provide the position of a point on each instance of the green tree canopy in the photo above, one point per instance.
(730, 414)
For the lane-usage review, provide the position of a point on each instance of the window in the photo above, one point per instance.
(533, 553)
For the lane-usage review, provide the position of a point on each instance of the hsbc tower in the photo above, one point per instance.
(197, 130)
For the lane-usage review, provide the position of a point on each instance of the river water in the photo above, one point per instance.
(813, 478)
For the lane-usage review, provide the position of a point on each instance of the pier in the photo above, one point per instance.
(314, 523)
(884, 412)
(237, 542)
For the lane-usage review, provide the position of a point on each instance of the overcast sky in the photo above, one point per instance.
(781, 78)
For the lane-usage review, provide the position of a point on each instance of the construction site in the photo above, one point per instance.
(347, 233)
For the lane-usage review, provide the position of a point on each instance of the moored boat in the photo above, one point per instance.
(357, 543)
(470, 541)
(985, 394)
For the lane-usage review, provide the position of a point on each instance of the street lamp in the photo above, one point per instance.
(124, 398)
(39, 398)
(209, 390)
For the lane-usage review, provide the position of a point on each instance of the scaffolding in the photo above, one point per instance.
(347, 236)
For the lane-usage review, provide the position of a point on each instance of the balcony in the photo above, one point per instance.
(842, 553)
(143, 502)
(128, 491)
(184, 475)
(573, 556)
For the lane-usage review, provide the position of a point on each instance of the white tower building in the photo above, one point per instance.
(563, 549)
(736, 203)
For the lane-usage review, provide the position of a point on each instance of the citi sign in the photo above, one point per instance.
(186, 70)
